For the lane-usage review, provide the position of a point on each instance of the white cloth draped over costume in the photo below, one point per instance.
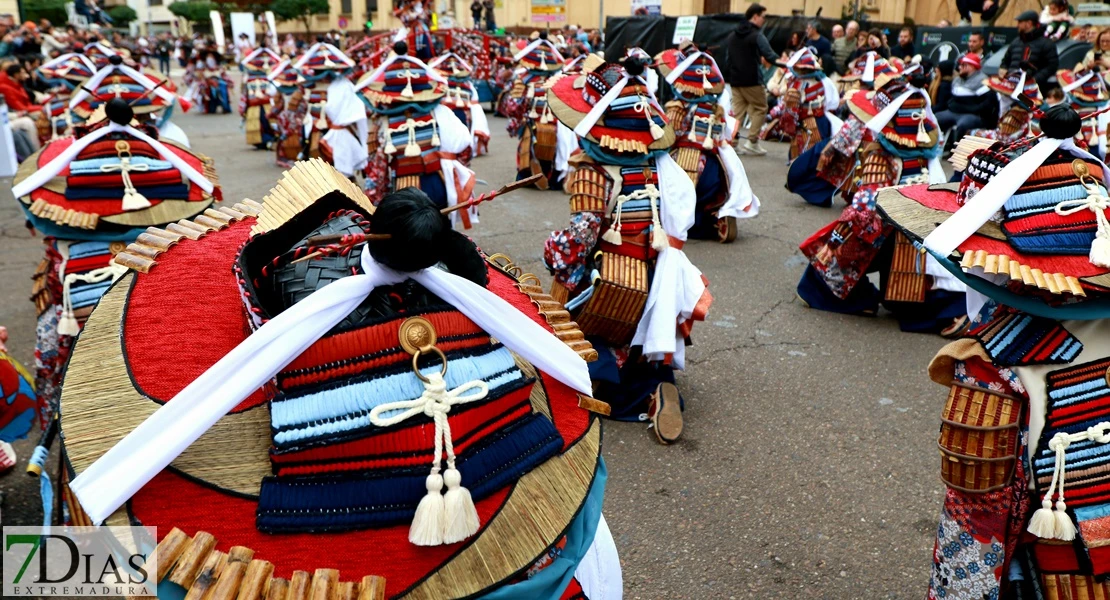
(677, 287)
(454, 138)
(344, 108)
(478, 122)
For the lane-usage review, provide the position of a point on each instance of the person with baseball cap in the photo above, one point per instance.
(1031, 48)
(972, 102)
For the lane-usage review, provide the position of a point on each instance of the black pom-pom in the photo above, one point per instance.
(543, 35)
(115, 59)
(400, 48)
(321, 39)
(633, 66)
(119, 111)
(416, 227)
(1061, 122)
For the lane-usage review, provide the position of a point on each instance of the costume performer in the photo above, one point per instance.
(415, 31)
(64, 74)
(1018, 97)
(1024, 432)
(889, 139)
(89, 195)
(211, 82)
(420, 139)
(17, 403)
(805, 113)
(452, 430)
(529, 118)
(1086, 92)
(335, 126)
(462, 99)
(288, 115)
(863, 71)
(257, 97)
(701, 146)
(619, 265)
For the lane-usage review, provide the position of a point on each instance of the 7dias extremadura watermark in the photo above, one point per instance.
(79, 561)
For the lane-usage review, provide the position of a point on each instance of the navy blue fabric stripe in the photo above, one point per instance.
(389, 497)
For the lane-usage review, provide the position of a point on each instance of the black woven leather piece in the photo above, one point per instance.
(294, 282)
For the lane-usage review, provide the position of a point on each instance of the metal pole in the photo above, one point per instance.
(601, 15)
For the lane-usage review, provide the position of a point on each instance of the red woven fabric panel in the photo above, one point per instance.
(172, 499)
(353, 344)
(104, 207)
(88, 263)
(411, 445)
(187, 312)
(570, 420)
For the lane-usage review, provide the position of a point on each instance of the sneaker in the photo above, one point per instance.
(666, 413)
(749, 148)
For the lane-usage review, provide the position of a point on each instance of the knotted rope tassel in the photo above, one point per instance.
(708, 142)
(435, 133)
(532, 114)
(459, 102)
(705, 78)
(322, 122)
(1057, 525)
(613, 236)
(407, 92)
(132, 199)
(68, 325)
(1097, 202)
(659, 239)
(440, 518)
(644, 107)
(411, 148)
(922, 135)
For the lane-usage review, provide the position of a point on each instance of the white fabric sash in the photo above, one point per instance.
(262, 50)
(880, 120)
(157, 441)
(965, 222)
(42, 176)
(101, 75)
(316, 48)
(742, 202)
(344, 108)
(565, 145)
(278, 69)
(869, 68)
(587, 123)
(533, 45)
(454, 137)
(67, 57)
(368, 79)
(681, 67)
(435, 62)
(832, 97)
(677, 285)
(1078, 82)
(1020, 87)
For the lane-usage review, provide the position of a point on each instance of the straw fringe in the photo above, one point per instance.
(300, 187)
(102, 405)
(204, 572)
(140, 255)
(1056, 283)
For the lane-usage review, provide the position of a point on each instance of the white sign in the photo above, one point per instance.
(242, 22)
(272, 27)
(684, 29)
(218, 29)
(647, 7)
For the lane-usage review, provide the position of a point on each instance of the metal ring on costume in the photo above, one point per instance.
(428, 350)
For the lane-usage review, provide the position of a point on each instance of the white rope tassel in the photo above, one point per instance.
(659, 239)
(411, 148)
(435, 133)
(613, 235)
(1097, 202)
(1057, 525)
(68, 325)
(547, 117)
(132, 199)
(708, 143)
(440, 519)
(922, 135)
(322, 122)
(389, 147)
(705, 77)
(643, 106)
(459, 102)
(407, 92)
(532, 114)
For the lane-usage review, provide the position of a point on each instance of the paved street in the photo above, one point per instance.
(808, 466)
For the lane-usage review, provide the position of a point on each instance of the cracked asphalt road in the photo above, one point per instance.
(808, 463)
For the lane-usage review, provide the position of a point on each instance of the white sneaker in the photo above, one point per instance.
(749, 148)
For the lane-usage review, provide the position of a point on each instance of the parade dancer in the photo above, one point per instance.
(891, 138)
(89, 195)
(1024, 431)
(420, 139)
(335, 127)
(257, 96)
(805, 112)
(389, 411)
(702, 147)
(619, 265)
(462, 99)
(64, 74)
(288, 114)
(529, 117)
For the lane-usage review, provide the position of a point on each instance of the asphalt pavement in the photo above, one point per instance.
(808, 466)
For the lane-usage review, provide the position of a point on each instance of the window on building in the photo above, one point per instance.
(371, 8)
(345, 7)
(156, 2)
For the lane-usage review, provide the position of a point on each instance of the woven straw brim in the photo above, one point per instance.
(1042, 273)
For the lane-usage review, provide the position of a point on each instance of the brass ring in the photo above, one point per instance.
(429, 350)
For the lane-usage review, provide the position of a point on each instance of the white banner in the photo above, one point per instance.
(218, 30)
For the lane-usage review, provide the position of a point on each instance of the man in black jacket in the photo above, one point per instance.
(1031, 47)
(971, 99)
(746, 47)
